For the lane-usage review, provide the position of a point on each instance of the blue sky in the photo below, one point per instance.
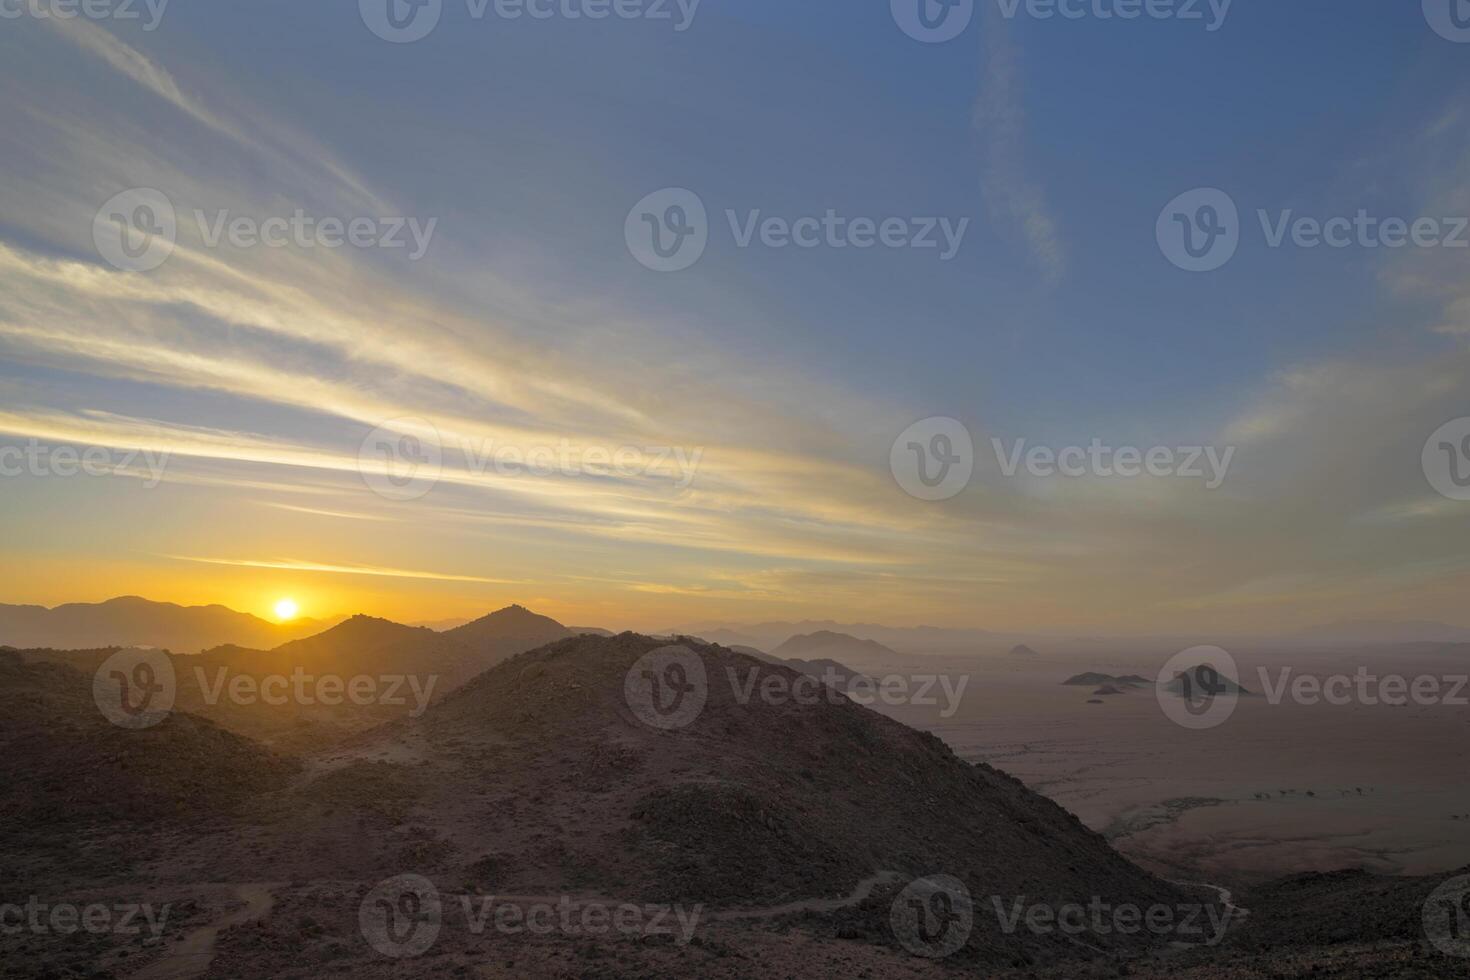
(1059, 321)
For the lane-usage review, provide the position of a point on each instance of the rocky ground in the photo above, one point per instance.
(535, 824)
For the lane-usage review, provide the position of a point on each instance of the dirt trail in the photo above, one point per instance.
(859, 894)
(1234, 914)
(193, 954)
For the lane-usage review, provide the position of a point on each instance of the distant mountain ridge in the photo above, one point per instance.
(830, 645)
(429, 664)
(131, 621)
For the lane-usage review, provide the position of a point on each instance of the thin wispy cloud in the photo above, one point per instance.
(1013, 194)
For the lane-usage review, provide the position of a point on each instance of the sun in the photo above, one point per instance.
(287, 609)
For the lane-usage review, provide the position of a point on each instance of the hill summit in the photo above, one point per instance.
(547, 776)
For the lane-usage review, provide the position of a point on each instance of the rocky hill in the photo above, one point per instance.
(540, 777)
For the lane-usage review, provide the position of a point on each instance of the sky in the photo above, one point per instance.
(730, 440)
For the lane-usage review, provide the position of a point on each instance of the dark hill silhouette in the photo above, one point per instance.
(65, 765)
(403, 663)
(547, 780)
(827, 645)
(130, 621)
(507, 632)
(1092, 679)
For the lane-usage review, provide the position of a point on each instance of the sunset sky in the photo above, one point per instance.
(780, 376)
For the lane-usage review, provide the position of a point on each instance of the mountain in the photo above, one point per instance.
(133, 622)
(826, 670)
(316, 691)
(1022, 650)
(65, 764)
(909, 639)
(549, 780)
(1092, 679)
(827, 645)
(1207, 679)
(507, 632)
